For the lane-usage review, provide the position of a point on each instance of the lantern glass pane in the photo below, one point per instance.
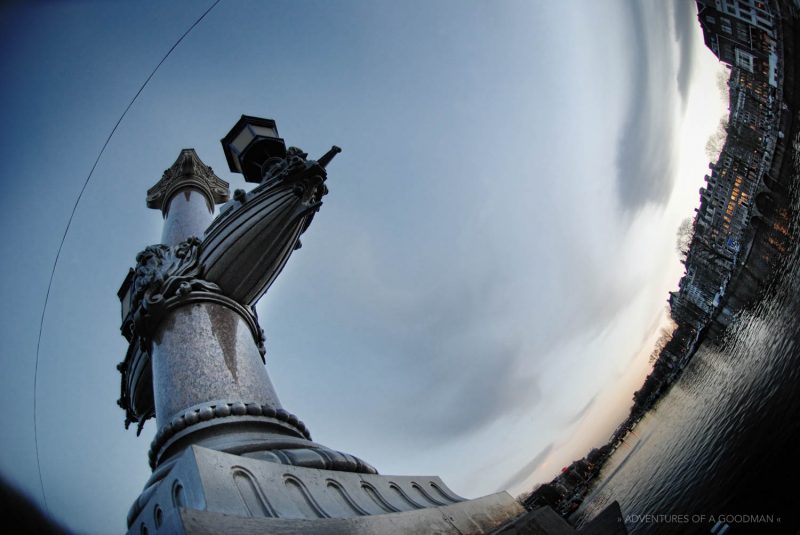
(264, 131)
(241, 141)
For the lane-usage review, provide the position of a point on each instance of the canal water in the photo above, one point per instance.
(723, 445)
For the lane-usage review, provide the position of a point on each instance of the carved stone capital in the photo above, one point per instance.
(188, 171)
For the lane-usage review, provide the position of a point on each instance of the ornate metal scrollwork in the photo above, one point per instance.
(163, 272)
(306, 175)
(164, 278)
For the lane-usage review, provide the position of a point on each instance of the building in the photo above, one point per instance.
(741, 34)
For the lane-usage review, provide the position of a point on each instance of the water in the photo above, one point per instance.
(723, 443)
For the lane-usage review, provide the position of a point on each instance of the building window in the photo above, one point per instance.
(744, 60)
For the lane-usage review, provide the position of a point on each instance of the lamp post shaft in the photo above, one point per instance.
(190, 367)
(188, 213)
(204, 353)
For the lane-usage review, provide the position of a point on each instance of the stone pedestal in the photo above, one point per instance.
(209, 492)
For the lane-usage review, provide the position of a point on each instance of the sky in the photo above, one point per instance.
(478, 295)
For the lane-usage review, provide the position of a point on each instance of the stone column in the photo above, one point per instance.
(204, 351)
(188, 213)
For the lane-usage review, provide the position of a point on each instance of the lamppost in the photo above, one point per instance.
(226, 454)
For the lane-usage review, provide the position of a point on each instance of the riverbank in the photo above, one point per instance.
(769, 234)
(768, 239)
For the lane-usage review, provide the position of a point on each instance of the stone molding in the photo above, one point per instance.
(215, 410)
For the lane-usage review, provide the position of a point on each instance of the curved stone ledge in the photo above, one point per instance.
(232, 483)
(313, 457)
(253, 496)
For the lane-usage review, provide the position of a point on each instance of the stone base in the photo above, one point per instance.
(208, 491)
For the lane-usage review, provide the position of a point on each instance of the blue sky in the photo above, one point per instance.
(479, 293)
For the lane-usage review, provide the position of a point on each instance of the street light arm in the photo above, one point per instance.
(328, 156)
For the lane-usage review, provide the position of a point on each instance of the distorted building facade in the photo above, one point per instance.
(742, 34)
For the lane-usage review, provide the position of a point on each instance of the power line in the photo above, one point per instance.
(66, 230)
